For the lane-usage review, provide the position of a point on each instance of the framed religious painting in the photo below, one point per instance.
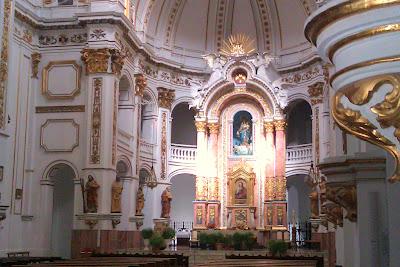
(240, 192)
(242, 134)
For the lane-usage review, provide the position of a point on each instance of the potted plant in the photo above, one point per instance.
(277, 247)
(157, 243)
(228, 241)
(249, 241)
(168, 234)
(219, 238)
(237, 239)
(203, 240)
(147, 233)
(212, 240)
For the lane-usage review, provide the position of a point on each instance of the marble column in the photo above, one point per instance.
(269, 192)
(46, 208)
(315, 91)
(213, 205)
(280, 213)
(200, 204)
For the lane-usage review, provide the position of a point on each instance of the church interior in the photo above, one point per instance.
(200, 133)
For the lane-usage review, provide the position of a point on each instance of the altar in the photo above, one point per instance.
(240, 176)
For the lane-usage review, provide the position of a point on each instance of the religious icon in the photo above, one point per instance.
(242, 134)
(211, 223)
(199, 215)
(240, 192)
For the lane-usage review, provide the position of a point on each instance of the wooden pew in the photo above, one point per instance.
(258, 262)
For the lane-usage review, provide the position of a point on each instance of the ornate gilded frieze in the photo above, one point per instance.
(214, 128)
(280, 184)
(316, 144)
(35, 59)
(96, 60)
(269, 127)
(387, 112)
(280, 125)
(117, 61)
(163, 175)
(140, 84)
(165, 97)
(270, 193)
(60, 109)
(201, 188)
(213, 188)
(345, 195)
(201, 126)
(4, 60)
(315, 91)
(95, 138)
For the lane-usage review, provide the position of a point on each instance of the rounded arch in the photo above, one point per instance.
(299, 131)
(180, 171)
(125, 74)
(124, 166)
(298, 96)
(52, 164)
(297, 171)
(180, 100)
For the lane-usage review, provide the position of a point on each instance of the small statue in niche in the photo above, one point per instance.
(116, 191)
(313, 198)
(140, 201)
(91, 188)
(166, 198)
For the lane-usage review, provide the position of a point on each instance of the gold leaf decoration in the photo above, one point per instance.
(354, 123)
(237, 45)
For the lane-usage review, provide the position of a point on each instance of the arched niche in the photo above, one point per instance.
(58, 197)
(299, 131)
(183, 129)
(125, 105)
(148, 117)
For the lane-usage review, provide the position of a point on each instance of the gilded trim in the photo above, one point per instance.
(58, 109)
(354, 123)
(95, 138)
(4, 61)
(363, 65)
(163, 175)
(52, 121)
(45, 79)
(362, 35)
(326, 18)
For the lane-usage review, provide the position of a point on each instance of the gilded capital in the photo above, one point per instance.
(117, 61)
(201, 126)
(165, 97)
(213, 127)
(269, 127)
(96, 60)
(140, 84)
(280, 125)
(315, 91)
(35, 59)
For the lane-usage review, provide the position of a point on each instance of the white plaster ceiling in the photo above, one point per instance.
(181, 31)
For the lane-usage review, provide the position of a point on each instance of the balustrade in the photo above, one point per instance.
(299, 153)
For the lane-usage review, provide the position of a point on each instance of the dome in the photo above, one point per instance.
(181, 32)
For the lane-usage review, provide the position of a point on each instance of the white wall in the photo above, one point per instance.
(298, 199)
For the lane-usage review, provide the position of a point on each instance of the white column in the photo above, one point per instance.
(46, 204)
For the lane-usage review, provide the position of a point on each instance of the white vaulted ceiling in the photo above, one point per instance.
(181, 31)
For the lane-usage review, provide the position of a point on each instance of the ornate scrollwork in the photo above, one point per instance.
(345, 195)
(4, 59)
(315, 91)
(165, 97)
(280, 125)
(201, 126)
(35, 59)
(334, 213)
(355, 123)
(214, 128)
(117, 61)
(140, 84)
(269, 127)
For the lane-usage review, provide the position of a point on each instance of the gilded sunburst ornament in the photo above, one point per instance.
(237, 45)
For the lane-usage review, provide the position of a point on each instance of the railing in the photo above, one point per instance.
(183, 153)
(299, 153)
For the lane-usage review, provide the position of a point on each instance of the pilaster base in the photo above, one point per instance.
(275, 215)
(200, 215)
(138, 220)
(213, 213)
(99, 220)
(160, 224)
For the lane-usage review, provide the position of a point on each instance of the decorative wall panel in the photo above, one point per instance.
(59, 135)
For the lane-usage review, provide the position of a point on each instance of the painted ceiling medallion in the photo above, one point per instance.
(237, 45)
